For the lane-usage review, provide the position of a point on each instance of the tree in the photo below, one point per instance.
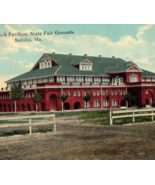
(87, 97)
(16, 92)
(37, 98)
(108, 98)
(63, 97)
(129, 97)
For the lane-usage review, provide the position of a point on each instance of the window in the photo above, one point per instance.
(114, 102)
(45, 62)
(105, 80)
(79, 79)
(113, 81)
(29, 95)
(74, 93)
(121, 80)
(148, 79)
(123, 92)
(98, 93)
(25, 82)
(60, 78)
(51, 79)
(103, 93)
(34, 81)
(70, 79)
(86, 104)
(117, 79)
(153, 79)
(133, 78)
(107, 92)
(115, 92)
(29, 82)
(146, 92)
(94, 93)
(40, 80)
(68, 93)
(97, 79)
(96, 103)
(45, 79)
(49, 63)
(78, 93)
(120, 92)
(33, 94)
(88, 79)
(42, 64)
(105, 103)
(143, 79)
(84, 93)
(112, 92)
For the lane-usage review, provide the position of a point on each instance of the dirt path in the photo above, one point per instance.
(74, 140)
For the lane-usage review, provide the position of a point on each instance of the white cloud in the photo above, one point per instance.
(142, 30)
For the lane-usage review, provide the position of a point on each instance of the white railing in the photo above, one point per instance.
(133, 115)
(30, 124)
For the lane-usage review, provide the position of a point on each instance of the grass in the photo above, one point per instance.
(23, 132)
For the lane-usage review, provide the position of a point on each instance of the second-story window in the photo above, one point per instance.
(121, 80)
(112, 92)
(120, 92)
(115, 92)
(113, 81)
(94, 93)
(88, 79)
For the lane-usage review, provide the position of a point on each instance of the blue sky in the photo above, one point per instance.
(134, 42)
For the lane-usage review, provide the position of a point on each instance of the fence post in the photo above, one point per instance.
(133, 117)
(110, 114)
(152, 114)
(54, 127)
(30, 129)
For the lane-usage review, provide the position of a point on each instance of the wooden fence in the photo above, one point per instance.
(133, 115)
(30, 124)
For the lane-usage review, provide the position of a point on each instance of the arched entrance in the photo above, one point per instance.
(53, 102)
(9, 107)
(28, 107)
(148, 98)
(23, 107)
(4, 106)
(77, 105)
(146, 102)
(66, 106)
(123, 103)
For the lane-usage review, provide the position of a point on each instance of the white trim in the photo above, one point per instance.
(139, 70)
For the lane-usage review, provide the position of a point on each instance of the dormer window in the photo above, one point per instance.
(85, 65)
(45, 62)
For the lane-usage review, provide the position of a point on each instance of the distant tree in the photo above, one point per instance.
(16, 92)
(37, 98)
(128, 97)
(108, 98)
(63, 97)
(87, 97)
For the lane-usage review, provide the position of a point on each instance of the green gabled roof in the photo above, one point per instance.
(101, 66)
(37, 73)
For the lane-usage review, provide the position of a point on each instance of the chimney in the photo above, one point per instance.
(113, 56)
(70, 53)
(53, 52)
(100, 55)
(85, 55)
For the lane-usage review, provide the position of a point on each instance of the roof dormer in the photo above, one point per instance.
(85, 65)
